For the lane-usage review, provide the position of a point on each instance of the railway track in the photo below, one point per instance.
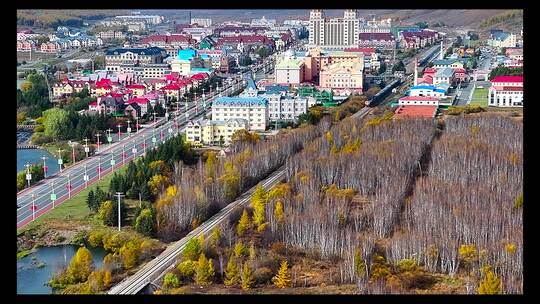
(154, 270)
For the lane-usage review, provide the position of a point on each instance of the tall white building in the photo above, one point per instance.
(204, 22)
(336, 33)
(287, 108)
(253, 109)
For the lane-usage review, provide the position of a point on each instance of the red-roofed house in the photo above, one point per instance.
(173, 90)
(142, 103)
(506, 91)
(137, 89)
(418, 101)
(415, 112)
(377, 40)
(460, 74)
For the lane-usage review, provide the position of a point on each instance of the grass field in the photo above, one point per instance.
(73, 210)
(480, 97)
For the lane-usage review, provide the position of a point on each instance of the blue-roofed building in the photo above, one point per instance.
(500, 39)
(454, 63)
(187, 54)
(429, 90)
(254, 109)
(251, 89)
(443, 75)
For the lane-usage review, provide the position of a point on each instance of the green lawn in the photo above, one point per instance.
(480, 97)
(75, 208)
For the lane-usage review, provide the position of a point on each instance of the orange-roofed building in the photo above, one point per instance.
(415, 112)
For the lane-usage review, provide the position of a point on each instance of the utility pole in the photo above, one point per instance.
(119, 195)
(137, 124)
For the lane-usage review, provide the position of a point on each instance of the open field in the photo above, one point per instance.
(480, 97)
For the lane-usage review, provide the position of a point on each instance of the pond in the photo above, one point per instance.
(32, 279)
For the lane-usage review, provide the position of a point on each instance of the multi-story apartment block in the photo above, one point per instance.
(287, 108)
(214, 132)
(125, 59)
(254, 109)
(343, 78)
(109, 35)
(289, 69)
(315, 60)
(336, 33)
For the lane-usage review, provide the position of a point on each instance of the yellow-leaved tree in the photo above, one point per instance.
(247, 277)
(490, 284)
(243, 224)
(81, 266)
(204, 273)
(283, 277)
(232, 274)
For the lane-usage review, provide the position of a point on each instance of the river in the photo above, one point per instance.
(33, 156)
(32, 280)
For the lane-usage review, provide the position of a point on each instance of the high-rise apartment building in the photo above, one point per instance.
(335, 33)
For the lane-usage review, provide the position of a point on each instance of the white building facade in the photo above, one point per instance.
(253, 109)
(336, 33)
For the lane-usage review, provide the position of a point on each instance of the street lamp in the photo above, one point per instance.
(28, 175)
(53, 195)
(86, 149)
(154, 140)
(33, 207)
(44, 166)
(119, 132)
(69, 185)
(60, 160)
(72, 145)
(109, 137)
(85, 177)
(154, 116)
(137, 124)
(134, 150)
(123, 154)
(98, 135)
(99, 168)
(144, 143)
(128, 128)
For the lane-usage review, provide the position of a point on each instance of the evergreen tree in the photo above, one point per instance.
(192, 250)
(232, 274)
(145, 223)
(91, 201)
(283, 277)
(244, 223)
(204, 273)
(247, 277)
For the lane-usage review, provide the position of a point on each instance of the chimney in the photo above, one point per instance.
(441, 52)
(416, 71)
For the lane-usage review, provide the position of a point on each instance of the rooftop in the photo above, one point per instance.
(415, 111)
(139, 51)
(241, 101)
(444, 72)
(507, 79)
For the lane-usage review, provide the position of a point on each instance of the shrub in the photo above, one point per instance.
(170, 281)
(39, 128)
(263, 275)
(186, 269)
(95, 238)
(278, 248)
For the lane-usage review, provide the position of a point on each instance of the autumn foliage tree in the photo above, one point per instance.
(283, 277)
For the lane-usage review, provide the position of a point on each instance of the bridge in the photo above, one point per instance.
(26, 127)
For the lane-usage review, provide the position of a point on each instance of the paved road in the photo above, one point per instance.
(466, 91)
(109, 159)
(154, 270)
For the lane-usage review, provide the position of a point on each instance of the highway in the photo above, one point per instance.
(107, 160)
(154, 270)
